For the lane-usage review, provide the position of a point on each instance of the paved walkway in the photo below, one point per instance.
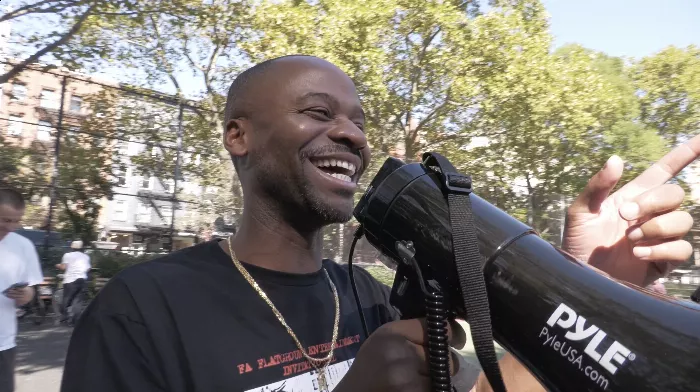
(41, 351)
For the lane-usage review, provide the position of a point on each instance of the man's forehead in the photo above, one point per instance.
(303, 77)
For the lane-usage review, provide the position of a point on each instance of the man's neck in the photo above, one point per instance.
(266, 240)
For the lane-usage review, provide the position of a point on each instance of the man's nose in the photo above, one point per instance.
(349, 134)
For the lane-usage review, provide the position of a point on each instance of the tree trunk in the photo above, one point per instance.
(530, 203)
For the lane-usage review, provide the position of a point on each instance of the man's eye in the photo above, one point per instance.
(320, 113)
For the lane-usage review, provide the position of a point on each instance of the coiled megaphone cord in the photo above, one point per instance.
(438, 346)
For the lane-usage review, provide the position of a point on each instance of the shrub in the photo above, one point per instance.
(111, 263)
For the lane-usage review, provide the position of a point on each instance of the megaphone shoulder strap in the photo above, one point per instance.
(468, 261)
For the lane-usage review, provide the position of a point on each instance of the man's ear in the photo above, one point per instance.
(236, 137)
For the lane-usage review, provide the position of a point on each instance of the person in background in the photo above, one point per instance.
(19, 265)
(76, 266)
(696, 295)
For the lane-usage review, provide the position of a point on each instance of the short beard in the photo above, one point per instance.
(295, 200)
(327, 214)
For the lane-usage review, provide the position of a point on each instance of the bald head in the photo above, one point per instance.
(243, 90)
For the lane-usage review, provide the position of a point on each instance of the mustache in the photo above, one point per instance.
(331, 149)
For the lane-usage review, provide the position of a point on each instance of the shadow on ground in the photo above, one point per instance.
(41, 347)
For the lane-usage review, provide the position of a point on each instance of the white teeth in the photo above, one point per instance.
(337, 163)
(341, 177)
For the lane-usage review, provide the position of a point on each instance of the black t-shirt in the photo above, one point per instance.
(190, 322)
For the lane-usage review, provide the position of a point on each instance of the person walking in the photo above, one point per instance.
(75, 265)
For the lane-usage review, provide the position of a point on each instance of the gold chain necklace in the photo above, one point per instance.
(322, 381)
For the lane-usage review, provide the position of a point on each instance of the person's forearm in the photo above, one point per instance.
(516, 377)
(27, 295)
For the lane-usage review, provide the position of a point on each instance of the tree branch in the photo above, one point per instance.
(186, 52)
(415, 79)
(16, 69)
(30, 9)
(161, 52)
(434, 112)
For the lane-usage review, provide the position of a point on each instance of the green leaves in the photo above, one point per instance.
(486, 89)
(669, 89)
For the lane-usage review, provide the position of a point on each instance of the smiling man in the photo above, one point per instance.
(195, 320)
(262, 311)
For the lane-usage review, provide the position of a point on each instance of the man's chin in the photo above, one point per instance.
(338, 212)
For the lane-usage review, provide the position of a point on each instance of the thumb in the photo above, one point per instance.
(599, 187)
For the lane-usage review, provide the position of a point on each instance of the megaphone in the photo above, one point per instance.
(574, 327)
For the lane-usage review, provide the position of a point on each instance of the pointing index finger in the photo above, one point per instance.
(670, 165)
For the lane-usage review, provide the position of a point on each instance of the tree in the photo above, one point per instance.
(84, 176)
(440, 75)
(25, 169)
(669, 87)
(553, 121)
(199, 39)
(72, 31)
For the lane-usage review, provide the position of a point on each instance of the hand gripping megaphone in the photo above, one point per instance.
(573, 327)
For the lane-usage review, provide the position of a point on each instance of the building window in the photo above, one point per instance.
(43, 132)
(19, 92)
(121, 177)
(76, 103)
(120, 210)
(122, 147)
(167, 213)
(146, 183)
(48, 99)
(14, 126)
(143, 214)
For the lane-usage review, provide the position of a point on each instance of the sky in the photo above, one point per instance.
(631, 28)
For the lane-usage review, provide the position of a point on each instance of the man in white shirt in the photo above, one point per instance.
(76, 265)
(19, 264)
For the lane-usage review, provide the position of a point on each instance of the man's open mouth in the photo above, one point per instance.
(336, 168)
